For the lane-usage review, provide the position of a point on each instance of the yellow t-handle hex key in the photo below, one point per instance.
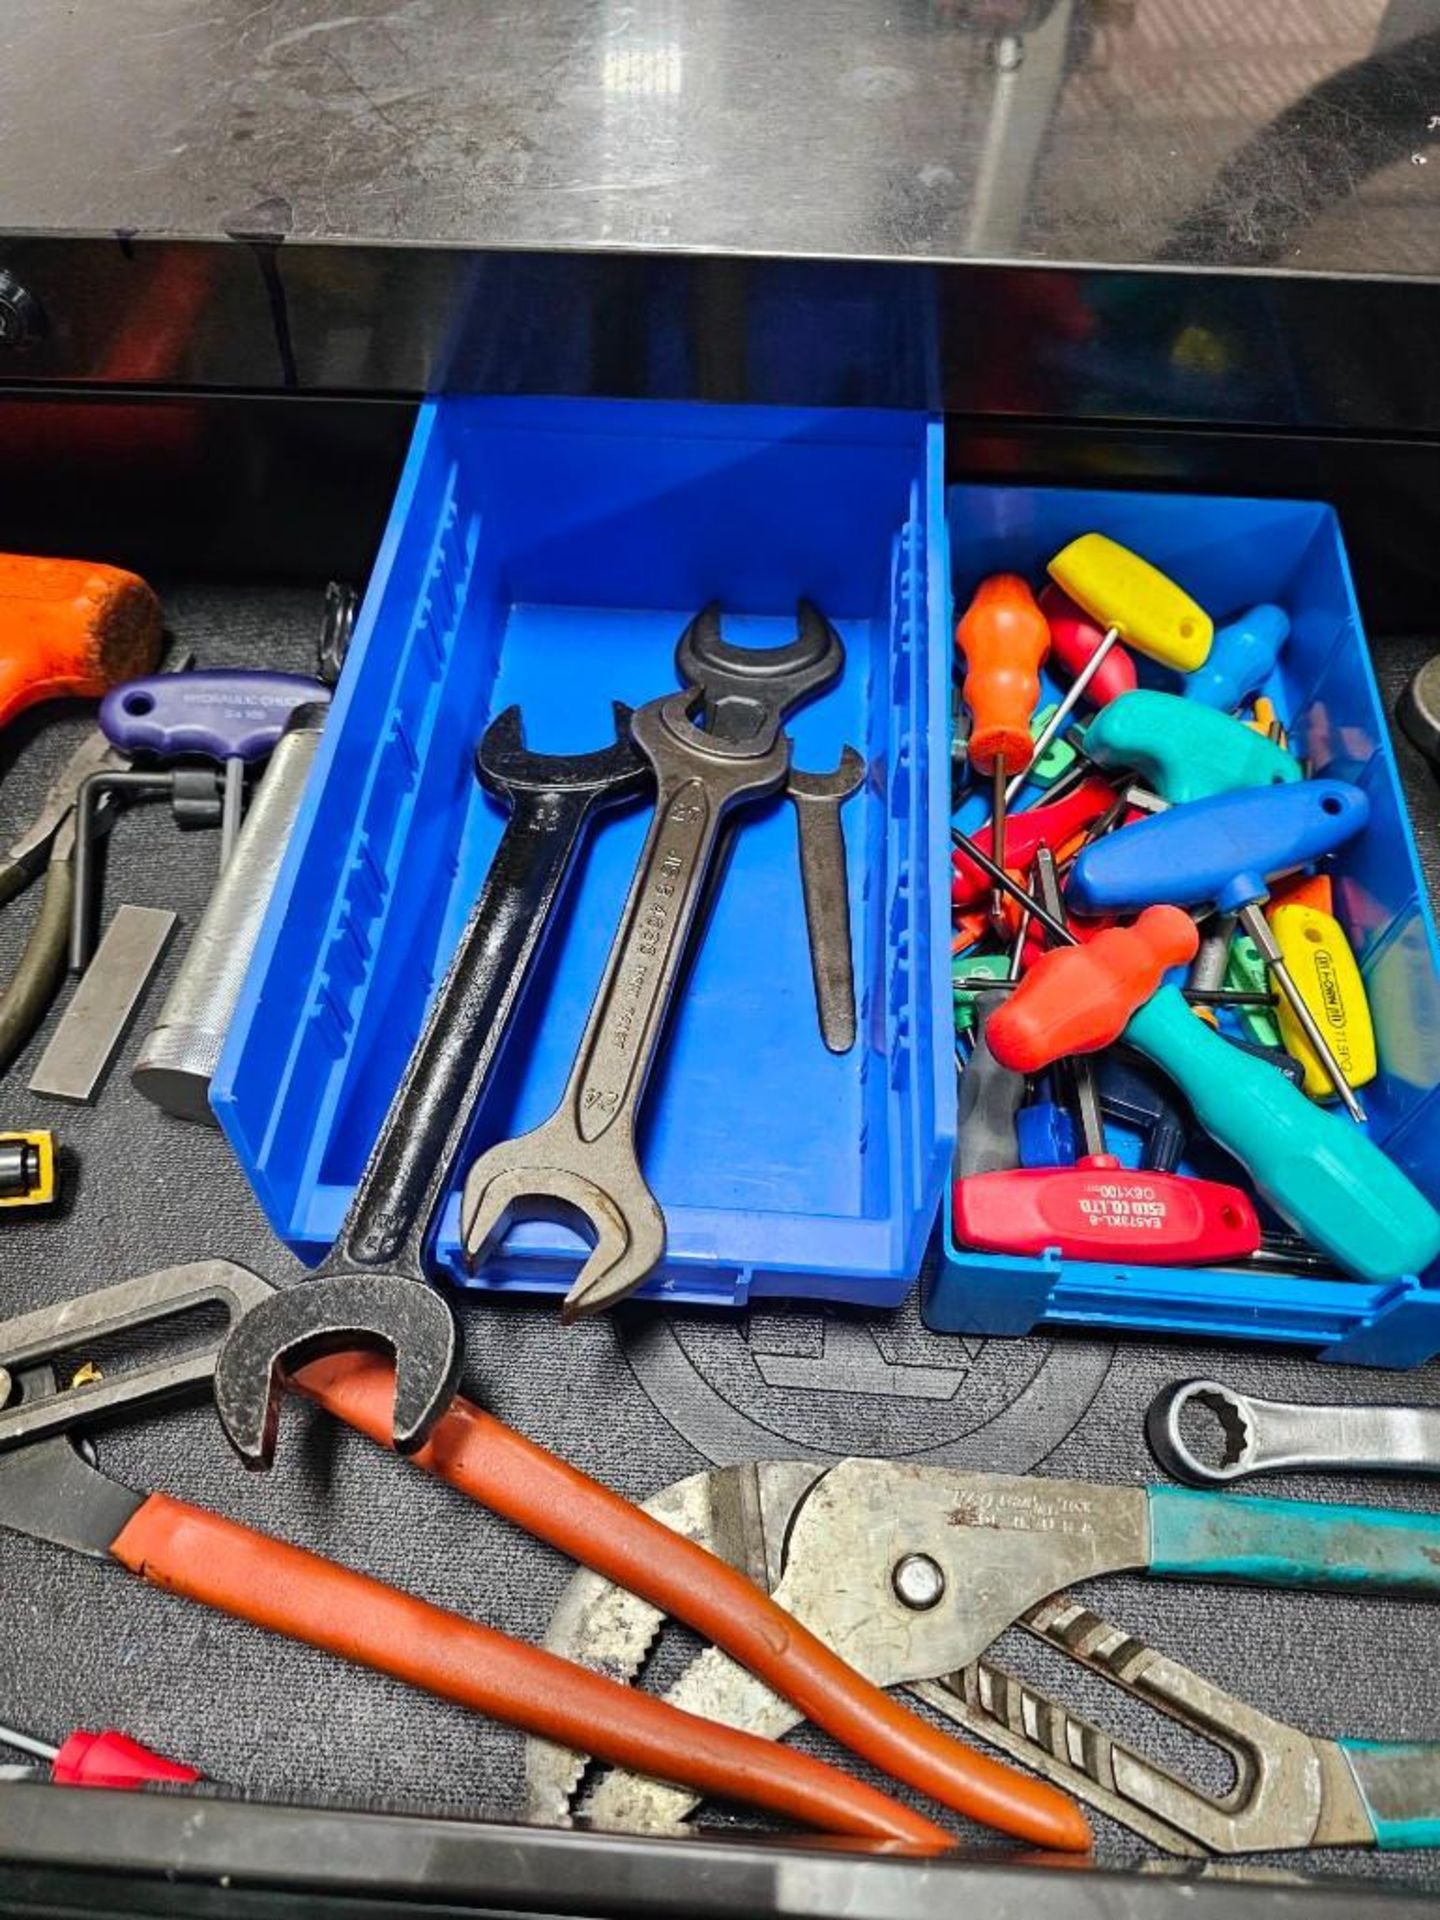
(1134, 602)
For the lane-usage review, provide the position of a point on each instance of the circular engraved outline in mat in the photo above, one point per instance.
(774, 1384)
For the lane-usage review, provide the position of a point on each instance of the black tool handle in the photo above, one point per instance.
(414, 1158)
(990, 1097)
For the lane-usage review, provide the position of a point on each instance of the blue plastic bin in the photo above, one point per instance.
(1231, 554)
(549, 552)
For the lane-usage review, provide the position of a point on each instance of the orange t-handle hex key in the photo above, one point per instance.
(1004, 638)
(1078, 999)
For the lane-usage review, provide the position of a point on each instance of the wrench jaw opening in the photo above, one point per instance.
(749, 690)
(337, 1314)
(628, 1244)
(505, 766)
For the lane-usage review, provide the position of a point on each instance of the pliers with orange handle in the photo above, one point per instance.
(49, 1491)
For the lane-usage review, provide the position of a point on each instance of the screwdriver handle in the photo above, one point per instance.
(1078, 999)
(1004, 638)
(1323, 1176)
(1322, 964)
(112, 1759)
(1221, 850)
(1074, 636)
(221, 714)
(1242, 657)
(1185, 751)
(1054, 823)
(1101, 1210)
(1125, 594)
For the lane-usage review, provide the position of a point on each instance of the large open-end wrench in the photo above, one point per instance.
(371, 1288)
(584, 1156)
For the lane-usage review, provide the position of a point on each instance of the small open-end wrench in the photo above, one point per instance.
(1281, 1436)
(817, 799)
(371, 1288)
(584, 1156)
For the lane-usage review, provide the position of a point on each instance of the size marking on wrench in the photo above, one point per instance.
(628, 1002)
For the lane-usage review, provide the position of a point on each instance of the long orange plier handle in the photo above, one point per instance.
(514, 1477)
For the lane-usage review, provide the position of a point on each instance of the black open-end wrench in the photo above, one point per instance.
(584, 1156)
(371, 1289)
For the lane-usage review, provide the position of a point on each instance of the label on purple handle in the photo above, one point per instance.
(223, 713)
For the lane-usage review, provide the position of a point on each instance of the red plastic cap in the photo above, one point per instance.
(113, 1759)
(1074, 636)
(1099, 1210)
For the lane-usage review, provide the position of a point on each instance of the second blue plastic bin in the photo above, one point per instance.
(1231, 554)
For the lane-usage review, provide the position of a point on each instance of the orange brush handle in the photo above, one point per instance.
(250, 1576)
(554, 1501)
(70, 627)
(1004, 637)
(1078, 999)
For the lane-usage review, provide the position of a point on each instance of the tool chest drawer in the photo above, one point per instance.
(549, 554)
(1233, 555)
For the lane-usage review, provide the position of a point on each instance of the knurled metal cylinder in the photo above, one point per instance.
(181, 1051)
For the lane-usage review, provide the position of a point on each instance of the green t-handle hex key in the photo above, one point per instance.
(1184, 751)
(1320, 1174)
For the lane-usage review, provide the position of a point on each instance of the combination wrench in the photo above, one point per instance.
(1279, 1436)
(584, 1156)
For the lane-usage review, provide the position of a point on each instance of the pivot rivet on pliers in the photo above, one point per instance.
(919, 1582)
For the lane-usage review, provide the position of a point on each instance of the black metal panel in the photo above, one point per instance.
(1230, 135)
(253, 486)
(326, 1862)
(1068, 343)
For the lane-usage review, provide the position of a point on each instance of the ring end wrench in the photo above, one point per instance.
(1275, 1436)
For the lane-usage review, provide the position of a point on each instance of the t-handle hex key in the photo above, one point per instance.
(372, 1288)
(48, 1491)
(584, 1156)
